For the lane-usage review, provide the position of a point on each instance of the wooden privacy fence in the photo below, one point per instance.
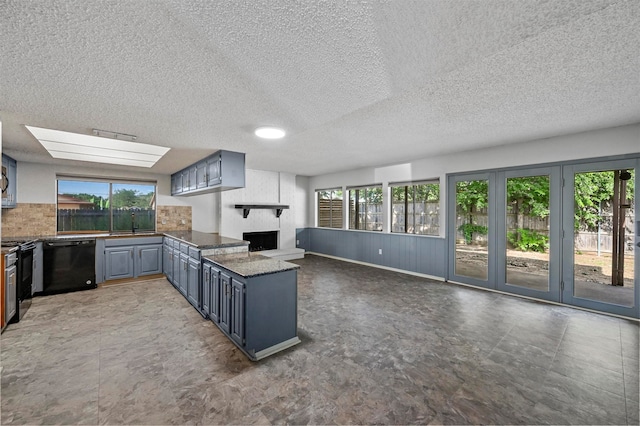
(423, 218)
(98, 220)
(330, 213)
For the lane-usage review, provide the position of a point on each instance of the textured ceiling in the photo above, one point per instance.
(354, 83)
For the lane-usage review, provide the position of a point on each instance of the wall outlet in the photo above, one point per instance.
(182, 221)
(164, 221)
(297, 242)
(379, 251)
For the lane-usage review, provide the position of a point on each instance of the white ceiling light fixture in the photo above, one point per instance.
(269, 132)
(116, 149)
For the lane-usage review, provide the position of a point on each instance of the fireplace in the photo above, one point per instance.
(261, 240)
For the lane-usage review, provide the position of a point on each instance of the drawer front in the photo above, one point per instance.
(194, 253)
(184, 248)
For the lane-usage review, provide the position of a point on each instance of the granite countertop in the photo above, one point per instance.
(5, 250)
(250, 264)
(204, 240)
(201, 240)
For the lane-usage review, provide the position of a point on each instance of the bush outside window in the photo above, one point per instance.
(415, 208)
(105, 206)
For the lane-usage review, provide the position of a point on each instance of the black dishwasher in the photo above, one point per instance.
(69, 265)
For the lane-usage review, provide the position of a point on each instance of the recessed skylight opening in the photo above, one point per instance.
(76, 146)
(268, 132)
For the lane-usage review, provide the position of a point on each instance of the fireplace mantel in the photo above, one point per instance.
(246, 208)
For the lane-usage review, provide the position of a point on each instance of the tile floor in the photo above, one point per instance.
(377, 347)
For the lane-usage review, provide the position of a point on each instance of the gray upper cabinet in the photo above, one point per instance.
(221, 171)
(213, 170)
(192, 183)
(9, 187)
(201, 175)
(176, 183)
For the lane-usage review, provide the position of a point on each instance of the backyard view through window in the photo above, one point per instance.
(104, 206)
(330, 208)
(365, 208)
(415, 208)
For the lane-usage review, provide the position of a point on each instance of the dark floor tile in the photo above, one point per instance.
(583, 371)
(591, 399)
(633, 412)
(552, 411)
(378, 347)
(592, 354)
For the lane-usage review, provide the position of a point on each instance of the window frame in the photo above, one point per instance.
(110, 182)
(354, 222)
(407, 187)
(331, 200)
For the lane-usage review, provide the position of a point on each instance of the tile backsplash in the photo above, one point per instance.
(29, 220)
(173, 218)
(35, 220)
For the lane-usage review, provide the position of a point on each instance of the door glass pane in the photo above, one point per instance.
(472, 227)
(527, 233)
(603, 236)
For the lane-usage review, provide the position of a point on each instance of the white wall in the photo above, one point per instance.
(597, 143)
(37, 184)
(301, 202)
(262, 187)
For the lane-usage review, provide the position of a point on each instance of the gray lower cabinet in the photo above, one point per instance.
(175, 259)
(193, 283)
(132, 257)
(183, 273)
(37, 285)
(184, 270)
(225, 302)
(148, 260)
(10, 290)
(237, 311)
(214, 279)
(118, 262)
(258, 313)
(167, 262)
(206, 290)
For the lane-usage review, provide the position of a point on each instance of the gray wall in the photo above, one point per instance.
(421, 254)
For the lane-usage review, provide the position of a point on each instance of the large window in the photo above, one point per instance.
(105, 206)
(330, 208)
(415, 208)
(365, 208)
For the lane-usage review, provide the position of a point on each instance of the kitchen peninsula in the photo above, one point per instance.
(251, 298)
